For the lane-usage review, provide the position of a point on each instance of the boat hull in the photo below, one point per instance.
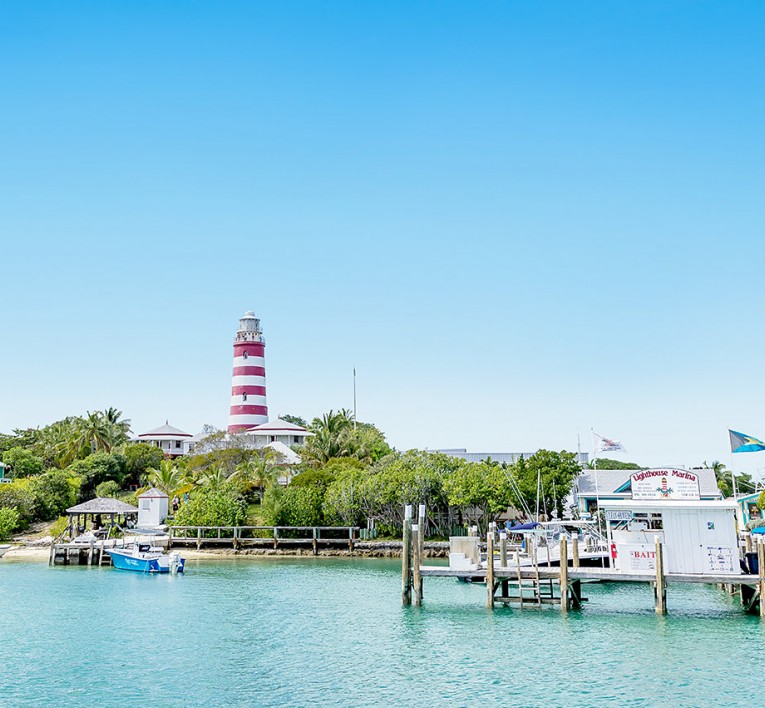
(129, 561)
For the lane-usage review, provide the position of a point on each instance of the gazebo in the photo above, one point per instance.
(95, 510)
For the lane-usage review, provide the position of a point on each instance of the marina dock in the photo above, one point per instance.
(532, 585)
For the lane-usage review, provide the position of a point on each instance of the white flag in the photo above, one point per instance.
(601, 444)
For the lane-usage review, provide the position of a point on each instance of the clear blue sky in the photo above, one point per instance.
(518, 220)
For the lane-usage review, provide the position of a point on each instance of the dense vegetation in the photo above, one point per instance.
(349, 475)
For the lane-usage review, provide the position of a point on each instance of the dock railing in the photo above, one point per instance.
(264, 536)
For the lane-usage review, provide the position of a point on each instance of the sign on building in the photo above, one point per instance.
(665, 484)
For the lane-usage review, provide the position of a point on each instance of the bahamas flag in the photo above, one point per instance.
(744, 443)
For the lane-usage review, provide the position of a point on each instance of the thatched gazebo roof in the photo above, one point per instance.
(102, 505)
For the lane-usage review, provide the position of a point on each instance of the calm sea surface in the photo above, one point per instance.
(331, 632)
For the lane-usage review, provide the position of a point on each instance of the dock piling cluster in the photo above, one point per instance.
(536, 586)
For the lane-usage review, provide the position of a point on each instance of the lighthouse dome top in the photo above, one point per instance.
(249, 328)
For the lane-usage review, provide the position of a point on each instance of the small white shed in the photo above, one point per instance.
(152, 508)
(698, 536)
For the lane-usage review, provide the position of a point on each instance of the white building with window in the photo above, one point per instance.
(172, 442)
(275, 431)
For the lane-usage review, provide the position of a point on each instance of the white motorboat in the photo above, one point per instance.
(4, 548)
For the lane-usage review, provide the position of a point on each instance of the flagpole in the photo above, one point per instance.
(597, 493)
(354, 398)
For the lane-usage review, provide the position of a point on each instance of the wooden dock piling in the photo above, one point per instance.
(564, 596)
(661, 587)
(575, 550)
(421, 524)
(503, 562)
(761, 573)
(406, 555)
(416, 562)
(490, 569)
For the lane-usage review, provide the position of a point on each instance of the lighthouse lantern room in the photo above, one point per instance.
(248, 382)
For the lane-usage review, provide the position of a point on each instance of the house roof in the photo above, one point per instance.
(152, 493)
(285, 455)
(165, 431)
(103, 505)
(609, 481)
(279, 426)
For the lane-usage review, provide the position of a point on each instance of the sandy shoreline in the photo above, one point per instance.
(384, 550)
(41, 555)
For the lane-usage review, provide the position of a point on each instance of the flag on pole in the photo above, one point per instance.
(601, 444)
(744, 443)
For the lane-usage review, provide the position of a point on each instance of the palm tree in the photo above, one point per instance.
(332, 437)
(259, 471)
(167, 478)
(213, 477)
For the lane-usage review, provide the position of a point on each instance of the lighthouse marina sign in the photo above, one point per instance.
(666, 483)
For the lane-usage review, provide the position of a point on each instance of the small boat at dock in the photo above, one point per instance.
(144, 558)
(4, 548)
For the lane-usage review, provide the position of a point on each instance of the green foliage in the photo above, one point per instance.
(53, 493)
(483, 487)
(294, 506)
(212, 506)
(724, 478)
(556, 472)
(108, 489)
(603, 463)
(96, 468)
(167, 477)
(334, 436)
(139, 457)
(59, 526)
(9, 522)
(321, 479)
(17, 496)
(23, 462)
(295, 420)
(224, 457)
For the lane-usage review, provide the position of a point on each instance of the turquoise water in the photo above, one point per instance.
(331, 632)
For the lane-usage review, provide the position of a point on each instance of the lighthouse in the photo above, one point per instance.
(248, 381)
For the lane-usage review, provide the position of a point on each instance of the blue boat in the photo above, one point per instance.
(143, 558)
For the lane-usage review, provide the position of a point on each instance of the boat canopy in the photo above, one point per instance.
(521, 527)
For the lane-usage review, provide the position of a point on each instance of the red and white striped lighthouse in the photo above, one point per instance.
(248, 382)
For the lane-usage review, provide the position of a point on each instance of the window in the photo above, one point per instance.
(244, 396)
(295, 439)
(273, 438)
(245, 354)
(178, 444)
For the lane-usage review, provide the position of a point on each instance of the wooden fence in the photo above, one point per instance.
(239, 537)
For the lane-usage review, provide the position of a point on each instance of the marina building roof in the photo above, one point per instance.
(103, 505)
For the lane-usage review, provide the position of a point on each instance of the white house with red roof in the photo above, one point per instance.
(172, 441)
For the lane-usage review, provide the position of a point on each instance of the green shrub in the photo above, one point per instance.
(212, 506)
(294, 506)
(59, 526)
(22, 462)
(53, 493)
(139, 457)
(96, 468)
(9, 522)
(17, 496)
(107, 489)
